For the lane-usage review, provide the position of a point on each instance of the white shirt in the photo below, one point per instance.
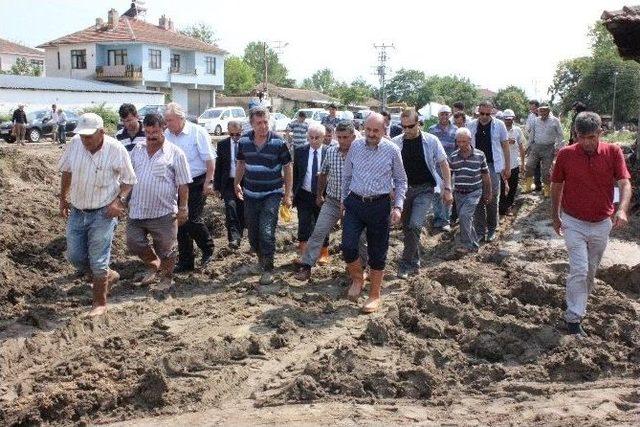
(54, 117)
(234, 151)
(514, 149)
(196, 144)
(156, 193)
(307, 177)
(96, 178)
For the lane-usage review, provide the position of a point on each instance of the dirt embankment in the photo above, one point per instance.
(475, 340)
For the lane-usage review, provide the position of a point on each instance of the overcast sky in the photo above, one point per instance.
(494, 43)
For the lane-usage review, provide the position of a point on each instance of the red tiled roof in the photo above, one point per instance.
(627, 14)
(12, 48)
(486, 93)
(134, 30)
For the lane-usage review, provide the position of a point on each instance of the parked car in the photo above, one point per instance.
(314, 115)
(39, 125)
(346, 115)
(278, 122)
(360, 116)
(215, 120)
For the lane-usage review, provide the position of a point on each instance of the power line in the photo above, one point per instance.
(382, 70)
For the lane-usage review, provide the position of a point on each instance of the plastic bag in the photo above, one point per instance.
(285, 213)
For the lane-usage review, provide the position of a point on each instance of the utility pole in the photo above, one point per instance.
(382, 70)
(278, 47)
(613, 107)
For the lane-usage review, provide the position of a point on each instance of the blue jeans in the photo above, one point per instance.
(416, 207)
(466, 204)
(261, 220)
(441, 212)
(372, 216)
(89, 237)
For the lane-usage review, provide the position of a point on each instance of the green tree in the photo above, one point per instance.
(322, 81)
(514, 98)
(355, 93)
(254, 55)
(407, 86)
(239, 77)
(200, 31)
(450, 89)
(23, 67)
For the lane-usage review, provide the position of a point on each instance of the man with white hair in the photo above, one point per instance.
(516, 150)
(471, 179)
(306, 167)
(97, 177)
(446, 133)
(196, 144)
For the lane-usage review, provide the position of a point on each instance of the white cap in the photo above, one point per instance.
(500, 115)
(88, 124)
(509, 114)
(444, 109)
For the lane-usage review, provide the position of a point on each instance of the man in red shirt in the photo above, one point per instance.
(582, 208)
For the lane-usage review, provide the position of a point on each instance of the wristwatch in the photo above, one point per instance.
(123, 200)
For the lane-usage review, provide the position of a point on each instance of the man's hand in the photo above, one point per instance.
(239, 193)
(182, 216)
(64, 208)
(487, 197)
(447, 197)
(506, 174)
(319, 200)
(288, 200)
(396, 214)
(557, 226)
(620, 219)
(207, 189)
(115, 209)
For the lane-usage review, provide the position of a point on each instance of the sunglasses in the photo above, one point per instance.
(485, 114)
(234, 135)
(409, 126)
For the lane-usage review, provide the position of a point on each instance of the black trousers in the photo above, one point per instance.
(194, 228)
(234, 212)
(506, 199)
(308, 213)
(537, 177)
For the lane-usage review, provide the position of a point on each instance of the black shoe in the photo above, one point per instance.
(576, 329)
(183, 268)
(206, 258)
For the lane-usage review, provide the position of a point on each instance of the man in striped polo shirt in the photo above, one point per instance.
(471, 179)
(132, 131)
(296, 132)
(264, 161)
(158, 202)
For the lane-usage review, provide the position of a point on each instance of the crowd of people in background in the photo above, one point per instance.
(463, 170)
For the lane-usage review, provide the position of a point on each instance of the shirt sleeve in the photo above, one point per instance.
(347, 173)
(484, 167)
(399, 178)
(324, 169)
(203, 144)
(558, 173)
(64, 164)
(285, 154)
(504, 133)
(240, 153)
(181, 166)
(620, 166)
(127, 175)
(440, 154)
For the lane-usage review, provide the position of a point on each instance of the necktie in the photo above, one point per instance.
(314, 173)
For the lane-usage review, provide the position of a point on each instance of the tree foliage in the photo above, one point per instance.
(450, 89)
(514, 98)
(23, 67)
(239, 77)
(408, 86)
(200, 31)
(355, 93)
(277, 74)
(322, 81)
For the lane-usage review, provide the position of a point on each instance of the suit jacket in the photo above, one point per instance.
(223, 164)
(300, 163)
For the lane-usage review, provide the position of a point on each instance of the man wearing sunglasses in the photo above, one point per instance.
(421, 154)
(491, 137)
(225, 172)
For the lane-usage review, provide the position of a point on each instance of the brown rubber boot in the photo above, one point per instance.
(324, 256)
(373, 302)
(99, 306)
(357, 280)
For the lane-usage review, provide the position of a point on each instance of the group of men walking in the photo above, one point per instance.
(163, 169)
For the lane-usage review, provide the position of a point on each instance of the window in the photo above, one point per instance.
(155, 59)
(175, 62)
(238, 113)
(210, 62)
(58, 60)
(117, 57)
(37, 62)
(79, 59)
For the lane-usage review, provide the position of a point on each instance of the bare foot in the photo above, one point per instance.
(371, 305)
(97, 310)
(354, 290)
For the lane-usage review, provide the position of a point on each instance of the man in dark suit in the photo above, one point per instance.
(223, 177)
(307, 161)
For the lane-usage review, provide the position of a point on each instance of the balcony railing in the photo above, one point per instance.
(119, 72)
(183, 71)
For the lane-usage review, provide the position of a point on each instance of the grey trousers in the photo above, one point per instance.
(327, 220)
(486, 216)
(466, 204)
(543, 154)
(586, 243)
(418, 203)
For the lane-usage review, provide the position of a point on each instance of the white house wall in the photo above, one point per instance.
(37, 99)
(65, 70)
(7, 60)
(180, 94)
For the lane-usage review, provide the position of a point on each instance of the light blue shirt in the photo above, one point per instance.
(446, 136)
(498, 135)
(434, 153)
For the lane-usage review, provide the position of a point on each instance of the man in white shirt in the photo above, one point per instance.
(196, 144)
(97, 177)
(517, 144)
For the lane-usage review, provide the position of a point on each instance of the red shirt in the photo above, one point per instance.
(589, 180)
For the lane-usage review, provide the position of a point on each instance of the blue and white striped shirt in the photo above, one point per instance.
(372, 171)
(263, 166)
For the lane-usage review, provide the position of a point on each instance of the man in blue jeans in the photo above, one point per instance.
(425, 162)
(372, 170)
(446, 133)
(97, 177)
(264, 161)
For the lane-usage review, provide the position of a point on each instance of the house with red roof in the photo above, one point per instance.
(10, 52)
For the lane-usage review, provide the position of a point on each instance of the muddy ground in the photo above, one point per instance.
(470, 341)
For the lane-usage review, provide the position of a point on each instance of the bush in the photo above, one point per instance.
(5, 117)
(109, 116)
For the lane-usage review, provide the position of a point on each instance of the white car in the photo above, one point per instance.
(215, 120)
(314, 115)
(278, 122)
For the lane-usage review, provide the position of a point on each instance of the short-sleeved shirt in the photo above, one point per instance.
(588, 180)
(517, 135)
(263, 165)
(130, 141)
(96, 178)
(332, 167)
(298, 132)
(196, 144)
(330, 121)
(156, 193)
(468, 172)
(446, 136)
